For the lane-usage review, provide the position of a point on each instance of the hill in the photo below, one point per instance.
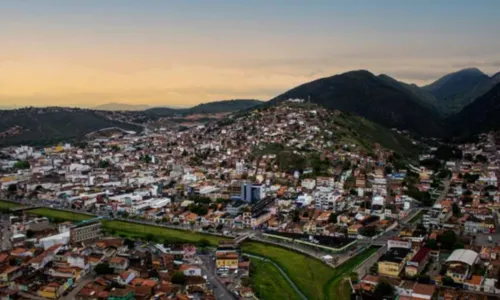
(456, 90)
(287, 127)
(495, 78)
(424, 97)
(479, 116)
(223, 106)
(121, 107)
(37, 126)
(366, 95)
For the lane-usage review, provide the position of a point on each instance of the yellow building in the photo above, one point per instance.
(393, 262)
(227, 260)
(49, 292)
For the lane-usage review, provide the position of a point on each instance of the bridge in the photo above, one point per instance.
(237, 240)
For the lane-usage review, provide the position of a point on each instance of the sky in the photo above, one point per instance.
(185, 52)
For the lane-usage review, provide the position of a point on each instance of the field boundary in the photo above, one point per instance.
(283, 273)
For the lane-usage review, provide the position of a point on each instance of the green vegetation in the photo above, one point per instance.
(159, 233)
(337, 281)
(268, 283)
(59, 215)
(22, 164)
(309, 274)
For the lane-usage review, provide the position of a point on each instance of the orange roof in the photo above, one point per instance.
(476, 280)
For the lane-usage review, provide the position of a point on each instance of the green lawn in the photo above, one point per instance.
(59, 214)
(131, 229)
(268, 283)
(172, 235)
(4, 205)
(336, 283)
(309, 274)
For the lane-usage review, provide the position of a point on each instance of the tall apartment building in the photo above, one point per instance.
(86, 231)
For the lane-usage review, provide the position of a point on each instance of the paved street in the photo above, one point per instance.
(80, 285)
(208, 267)
(5, 232)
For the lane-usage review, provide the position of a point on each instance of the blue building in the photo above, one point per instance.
(251, 192)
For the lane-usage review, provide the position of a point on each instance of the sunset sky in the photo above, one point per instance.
(180, 53)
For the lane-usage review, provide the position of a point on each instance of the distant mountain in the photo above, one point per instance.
(456, 90)
(482, 115)
(37, 126)
(424, 97)
(371, 97)
(206, 108)
(495, 78)
(121, 106)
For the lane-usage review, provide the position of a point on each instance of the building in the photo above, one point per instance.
(226, 260)
(86, 231)
(460, 264)
(252, 192)
(417, 263)
(393, 262)
(308, 183)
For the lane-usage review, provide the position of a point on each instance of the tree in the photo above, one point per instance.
(22, 165)
(383, 289)
(448, 281)
(203, 243)
(30, 233)
(178, 278)
(448, 239)
(103, 164)
(150, 237)
(431, 244)
(103, 268)
(129, 243)
(456, 210)
(332, 218)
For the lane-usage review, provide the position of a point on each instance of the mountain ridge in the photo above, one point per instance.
(362, 93)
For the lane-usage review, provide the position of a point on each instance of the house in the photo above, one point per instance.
(393, 261)
(190, 270)
(119, 264)
(417, 263)
(460, 264)
(126, 277)
(11, 273)
(227, 260)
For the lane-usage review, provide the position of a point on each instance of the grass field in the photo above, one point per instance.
(8, 205)
(172, 235)
(312, 277)
(336, 288)
(268, 283)
(309, 274)
(59, 214)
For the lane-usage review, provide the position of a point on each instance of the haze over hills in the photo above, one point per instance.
(121, 106)
(456, 90)
(371, 97)
(424, 111)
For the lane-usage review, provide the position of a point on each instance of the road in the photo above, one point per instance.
(5, 232)
(80, 285)
(220, 290)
